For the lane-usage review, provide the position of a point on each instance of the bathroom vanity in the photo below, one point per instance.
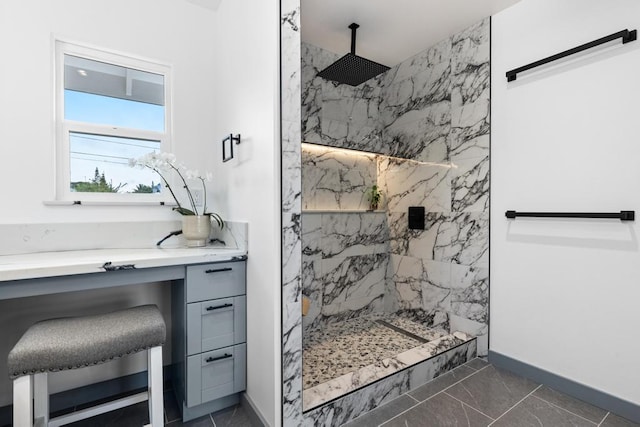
(208, 287)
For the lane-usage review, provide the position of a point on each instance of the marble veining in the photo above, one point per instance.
(344, 260)
(344, 348)
(358, 234)
(415, 184)
(470, 186)
(344, 409)
(353, 282)
(356, 374)
(291, 116)
(430, 243)
(431, 113)
(338, 349)
(333, 179)
(469, 239)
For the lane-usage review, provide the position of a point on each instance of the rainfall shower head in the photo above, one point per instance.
(351, 68)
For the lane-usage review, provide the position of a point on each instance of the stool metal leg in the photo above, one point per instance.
(22, 401)
(154, 371)
(41, 397)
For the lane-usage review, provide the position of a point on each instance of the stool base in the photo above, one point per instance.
(31, 399)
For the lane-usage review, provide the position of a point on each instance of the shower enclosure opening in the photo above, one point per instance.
(387, 307)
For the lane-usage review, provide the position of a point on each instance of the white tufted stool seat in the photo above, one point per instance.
(76, 342)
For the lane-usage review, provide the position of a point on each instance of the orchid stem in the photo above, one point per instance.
(168, 186)
(186, 187)
(204, 190)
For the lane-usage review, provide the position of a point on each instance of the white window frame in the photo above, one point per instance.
(65, 127)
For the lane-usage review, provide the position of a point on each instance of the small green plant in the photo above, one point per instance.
(374, 195)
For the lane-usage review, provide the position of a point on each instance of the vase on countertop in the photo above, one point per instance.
(196, 229)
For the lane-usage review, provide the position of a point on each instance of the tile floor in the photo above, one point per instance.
(474, 394)
(137, 415)
(478, 394)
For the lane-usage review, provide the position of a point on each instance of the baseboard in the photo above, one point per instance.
(588, 394)
(255, 417)
(90, 393)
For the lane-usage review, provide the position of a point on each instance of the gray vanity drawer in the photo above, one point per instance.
(219, 280)
(216, 323)
(216, 374)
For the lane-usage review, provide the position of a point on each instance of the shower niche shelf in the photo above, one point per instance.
(341, 211)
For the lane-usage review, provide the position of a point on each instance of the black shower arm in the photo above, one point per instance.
(353, 27)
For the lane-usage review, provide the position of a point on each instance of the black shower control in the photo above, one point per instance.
(416, 217)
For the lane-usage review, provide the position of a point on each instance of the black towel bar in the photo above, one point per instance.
(622, 215)
(626, 36)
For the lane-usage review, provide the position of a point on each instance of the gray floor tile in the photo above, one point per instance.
(440, 383)
(235, 416)
(578, 407)
(134, 415)
(534, 412)
(441, 410)
(476, 363)
(616, 421)
(171, 408)
(492, 391)
(198, 422)
(384, 412)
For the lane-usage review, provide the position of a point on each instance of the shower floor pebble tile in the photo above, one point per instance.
(348, 346)
(355, 344)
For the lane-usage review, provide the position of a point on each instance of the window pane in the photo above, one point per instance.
(100, 163)
(101, 93)
(89, 108)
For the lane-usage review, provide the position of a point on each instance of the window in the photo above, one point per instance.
(109, 108)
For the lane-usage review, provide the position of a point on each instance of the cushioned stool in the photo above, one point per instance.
(76, 342)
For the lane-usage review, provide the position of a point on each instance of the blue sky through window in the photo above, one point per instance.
(105, 110)
(110, 154)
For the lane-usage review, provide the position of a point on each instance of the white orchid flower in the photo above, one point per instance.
(168, 158)
(192, 174)
(162, 163)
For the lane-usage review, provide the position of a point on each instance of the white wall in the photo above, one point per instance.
(246, 91)
(174, 32)
(225, 69)
(564, 294)
(170, 31)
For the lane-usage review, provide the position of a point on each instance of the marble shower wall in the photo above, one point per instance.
(430, 113)
(336, 179)
(338, 115)
(435, 111)
(345, 258)
(291, 194)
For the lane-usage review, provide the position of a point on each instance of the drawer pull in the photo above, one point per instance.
(218, 270)
(218, 307)
(213, 359)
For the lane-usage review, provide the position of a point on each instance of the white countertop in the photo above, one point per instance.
(62, 263)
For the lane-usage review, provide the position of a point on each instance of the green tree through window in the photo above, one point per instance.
(98, 184)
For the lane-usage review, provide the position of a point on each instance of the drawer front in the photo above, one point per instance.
(216, 374)
(216, 280)
(215, 324)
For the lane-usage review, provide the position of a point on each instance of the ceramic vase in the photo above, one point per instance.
(196, 229)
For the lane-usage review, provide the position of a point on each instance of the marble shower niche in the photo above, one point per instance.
(419, 298)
